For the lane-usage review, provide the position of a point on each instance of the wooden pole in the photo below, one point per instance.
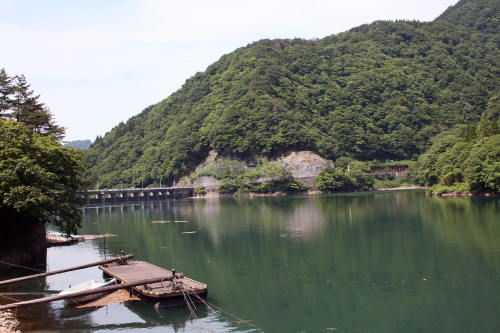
(67, 269)
(85, 293)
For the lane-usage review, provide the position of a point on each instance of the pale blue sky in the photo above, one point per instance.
(98, 62)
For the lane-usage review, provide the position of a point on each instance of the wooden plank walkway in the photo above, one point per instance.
(172, 291)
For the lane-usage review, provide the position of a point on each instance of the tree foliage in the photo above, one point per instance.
(378, 91)
(266, 178)
(40, 182)
(18, 102)
(463, 161)
(333, 179)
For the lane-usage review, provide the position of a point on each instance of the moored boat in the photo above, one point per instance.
(56, 234)
(88, 285)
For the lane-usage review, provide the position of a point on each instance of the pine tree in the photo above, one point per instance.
(18, 102)
(6, 91)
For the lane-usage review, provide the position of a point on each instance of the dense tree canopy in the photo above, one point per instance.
(40, 182)
(379, 91)
(466, 158)
(344, 180)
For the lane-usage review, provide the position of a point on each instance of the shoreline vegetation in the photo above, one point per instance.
(216, 195)
(305, 172)
(399, 188)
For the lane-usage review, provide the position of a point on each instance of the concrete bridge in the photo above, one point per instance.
(102, 197)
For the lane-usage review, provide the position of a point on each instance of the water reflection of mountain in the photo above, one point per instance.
(297, 216)
(229, 217)
(470, 222)
(343, 258)
(300, 218)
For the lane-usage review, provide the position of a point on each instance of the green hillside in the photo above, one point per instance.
(379, 91)
(79, 144)
(465, 159)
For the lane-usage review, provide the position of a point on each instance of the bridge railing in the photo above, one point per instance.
(113, 196)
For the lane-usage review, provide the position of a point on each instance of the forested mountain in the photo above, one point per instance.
(79, 144)
(378, 91)
(465, 159)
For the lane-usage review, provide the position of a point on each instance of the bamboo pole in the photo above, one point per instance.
(67, 269)
(85, 293)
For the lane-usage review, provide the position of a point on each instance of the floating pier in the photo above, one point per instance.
(155, 285)
(173, 289)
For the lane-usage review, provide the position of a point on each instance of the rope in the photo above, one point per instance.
(189, 298)
(208, 305)
(188, 301)
(38, 270)
(12, 299)
(76, 302)
(192, 307)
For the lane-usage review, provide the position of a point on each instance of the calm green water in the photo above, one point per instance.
(370, 262)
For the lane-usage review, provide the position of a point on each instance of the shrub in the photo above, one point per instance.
(200, 190)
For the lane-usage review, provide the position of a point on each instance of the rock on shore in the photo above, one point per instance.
(8, 323)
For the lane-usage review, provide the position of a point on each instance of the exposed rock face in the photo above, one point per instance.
(210, 183)
(206, 181)
(303, 165)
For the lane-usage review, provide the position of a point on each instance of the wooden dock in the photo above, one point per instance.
(173, 290)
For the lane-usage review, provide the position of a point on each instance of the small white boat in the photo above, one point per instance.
(91, 284)
(62, 236)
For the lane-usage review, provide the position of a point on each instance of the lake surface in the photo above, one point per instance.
(395, 261)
